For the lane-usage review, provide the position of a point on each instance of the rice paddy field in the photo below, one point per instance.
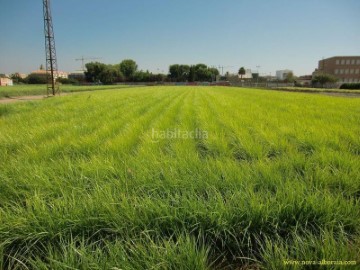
(180, 178)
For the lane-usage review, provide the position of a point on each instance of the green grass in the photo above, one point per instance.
(85, 185)
(40, 89)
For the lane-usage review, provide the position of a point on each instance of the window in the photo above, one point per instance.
(336, 71)
(351, 71)
(348, 61)
(356, 71)
(346, 71)
(337, 62)
(358, 62)
(343, 62)
(353, 61)
(341, 71)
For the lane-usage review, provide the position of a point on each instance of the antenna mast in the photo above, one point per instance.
(50, 51)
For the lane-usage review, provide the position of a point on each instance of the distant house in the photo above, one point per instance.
(5, 81)
(304, 80)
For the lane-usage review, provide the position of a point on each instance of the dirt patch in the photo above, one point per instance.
(24, 98)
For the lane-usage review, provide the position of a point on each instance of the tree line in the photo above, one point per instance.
(127, 71)
(192, 73)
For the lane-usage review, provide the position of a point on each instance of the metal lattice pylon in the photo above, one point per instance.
(51, 62)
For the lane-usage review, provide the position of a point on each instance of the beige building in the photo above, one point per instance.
(345, 68)
(59, 74)
(4, 81)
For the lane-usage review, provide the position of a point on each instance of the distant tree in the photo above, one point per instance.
(199, 72)
(179, 73)
(35, 79)
(214, 73)
(109, 74)
(128, 68)
(184, 71)
(174, 73)
(202, 73)
(323, 79)
(94, 70)
(242, 72)
(141, 76)
(41, 67)
(192, 75)
(17, 78)
(289, 78)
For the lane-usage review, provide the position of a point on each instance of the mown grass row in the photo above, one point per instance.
(84, 183)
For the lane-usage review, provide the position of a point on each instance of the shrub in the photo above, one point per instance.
(350, 86)
(67, 81)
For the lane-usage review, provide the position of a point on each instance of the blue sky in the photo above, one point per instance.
(274, 35)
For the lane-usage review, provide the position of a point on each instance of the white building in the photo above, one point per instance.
(281, 74)
(247, 75)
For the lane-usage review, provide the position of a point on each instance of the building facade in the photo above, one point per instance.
(345, 68)
(4, 81)
(281, 74)
(58, 74)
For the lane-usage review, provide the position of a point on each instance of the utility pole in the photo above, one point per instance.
(82, 59)
(222, 69)
(50, 51)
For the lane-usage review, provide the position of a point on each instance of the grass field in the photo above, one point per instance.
(40, 89)
(180, 178)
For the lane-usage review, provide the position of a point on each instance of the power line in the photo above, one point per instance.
(82, 59)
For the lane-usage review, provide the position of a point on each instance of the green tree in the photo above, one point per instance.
(192, 75)
(289, 78)
(109, 74)
(214, 72)
(128, 68)
(179, 73)
(36, 79)
(202, 73)
(17, 78)
(323, 79)
(106, 74)
(199, 72)
(242, 72)
(93, 71)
